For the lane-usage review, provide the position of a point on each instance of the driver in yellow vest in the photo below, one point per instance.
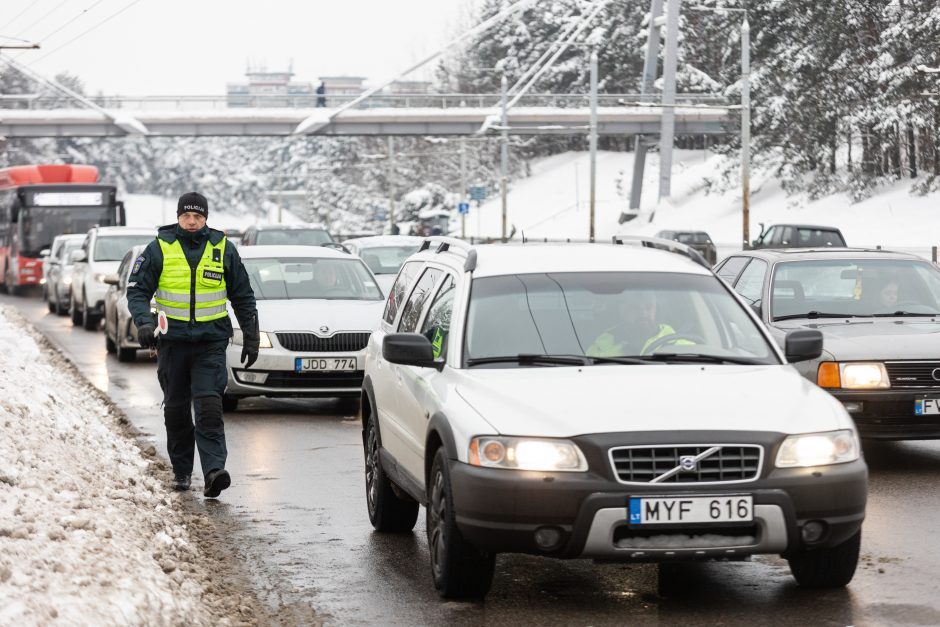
(636, 331)
(190, 271)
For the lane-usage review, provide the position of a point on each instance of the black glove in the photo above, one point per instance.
(146, 337)
(251, 340)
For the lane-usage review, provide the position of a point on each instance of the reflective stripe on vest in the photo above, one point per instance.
(175, 295)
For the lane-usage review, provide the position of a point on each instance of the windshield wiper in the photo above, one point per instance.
(900, 314)
(817, 314)
(621, 359)
(531, 358)
(701, 358)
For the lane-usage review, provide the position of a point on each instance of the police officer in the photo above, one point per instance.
(190, 271)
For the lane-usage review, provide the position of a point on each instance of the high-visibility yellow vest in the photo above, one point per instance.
(185, 296)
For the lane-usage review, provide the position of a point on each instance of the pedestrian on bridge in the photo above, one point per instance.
(190, 272)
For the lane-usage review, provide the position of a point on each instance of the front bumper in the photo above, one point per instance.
(501, 510)
(282, 380)
(889, 414)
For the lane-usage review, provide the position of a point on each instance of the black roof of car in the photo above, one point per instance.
(815, 227)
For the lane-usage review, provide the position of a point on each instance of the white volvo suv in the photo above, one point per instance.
(614, 402)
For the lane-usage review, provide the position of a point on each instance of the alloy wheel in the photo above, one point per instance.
(436, 520)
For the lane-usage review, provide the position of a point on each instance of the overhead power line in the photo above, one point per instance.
(17, 16)
(82, 34)
(41, 18)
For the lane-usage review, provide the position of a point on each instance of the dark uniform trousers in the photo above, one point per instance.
(193, 376)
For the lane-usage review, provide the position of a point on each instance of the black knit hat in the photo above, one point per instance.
(193, 201)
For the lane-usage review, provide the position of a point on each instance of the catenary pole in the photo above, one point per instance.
(746, 131)
(646, 87)
(592, 140)
(504, 153)
(668, 125)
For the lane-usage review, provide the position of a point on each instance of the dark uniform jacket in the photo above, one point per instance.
(145, 276)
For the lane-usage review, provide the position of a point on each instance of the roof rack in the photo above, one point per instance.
(662, 244)
(452, 244)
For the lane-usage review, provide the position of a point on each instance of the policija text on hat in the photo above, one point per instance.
(190, 271)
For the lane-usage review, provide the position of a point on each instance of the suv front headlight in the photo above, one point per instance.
(546, 455)
(818, 449)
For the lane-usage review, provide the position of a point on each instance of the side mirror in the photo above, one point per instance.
(112, 279)
(121, 214)
(409, 349)
(45, 252)
(757, 309)
(77, 255)
(803, 345)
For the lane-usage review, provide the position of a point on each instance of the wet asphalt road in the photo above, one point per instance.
(297, 502)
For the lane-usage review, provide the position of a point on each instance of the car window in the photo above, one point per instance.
(113, 247)
(397, 294)
(767, 236)
(386, 259)
(860, 287)
(820, 237)
(751, 283)
(732, 267)
(310, 278)
(302, 237)
(436, 325)
(418, 299)
(123, 269)
(609, 314)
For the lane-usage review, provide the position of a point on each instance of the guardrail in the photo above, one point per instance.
(269, 101)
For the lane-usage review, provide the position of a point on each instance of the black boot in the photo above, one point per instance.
(181, 482)
(216, 481)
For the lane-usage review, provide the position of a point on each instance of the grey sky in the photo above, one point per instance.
(197, 46)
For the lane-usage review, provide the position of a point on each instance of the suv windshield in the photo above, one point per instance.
(302, 237)
(855, 287)
(386, 259)
(114, 247)
(333, 279)
(607, 315)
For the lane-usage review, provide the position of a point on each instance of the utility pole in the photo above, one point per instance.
(668, 127)
(391, 184)
(592, 140)
(463, 186)
(746, 131)
(646, 87)
(504, 152)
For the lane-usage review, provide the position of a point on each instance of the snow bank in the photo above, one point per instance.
(87, 534)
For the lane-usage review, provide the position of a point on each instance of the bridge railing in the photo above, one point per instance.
(267, 101)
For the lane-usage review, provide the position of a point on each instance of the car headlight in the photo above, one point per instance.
(818, 449)
(67, 280)
(852, 376)
(100, 277)
(526, 454)
(239, 339)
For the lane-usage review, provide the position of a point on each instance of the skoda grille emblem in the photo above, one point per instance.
(687, 462)
(324, 329)
(935, 374)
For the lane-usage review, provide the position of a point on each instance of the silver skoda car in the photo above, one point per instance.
(317, 308)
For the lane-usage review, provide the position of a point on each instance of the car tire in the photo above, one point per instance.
(60, 309)
(229, 402)
(387, 511)
(831, 567)
(76, 313)
(459, 569)
(89, 320)
(109, 344)
(126, 354)
(52, 306)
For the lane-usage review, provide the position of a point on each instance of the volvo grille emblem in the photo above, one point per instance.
(324, 329)
(687, 462)
(935, 374)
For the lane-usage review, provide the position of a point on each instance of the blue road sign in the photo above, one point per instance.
(463, 207)
(477, 192)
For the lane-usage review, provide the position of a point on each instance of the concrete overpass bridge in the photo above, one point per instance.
(439, 114)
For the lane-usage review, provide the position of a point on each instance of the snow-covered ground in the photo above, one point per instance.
(89, 533)
(553, 203)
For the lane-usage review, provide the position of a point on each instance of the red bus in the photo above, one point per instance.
(38, 202)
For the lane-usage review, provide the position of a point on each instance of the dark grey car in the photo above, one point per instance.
(879, 313)
(699, 240)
